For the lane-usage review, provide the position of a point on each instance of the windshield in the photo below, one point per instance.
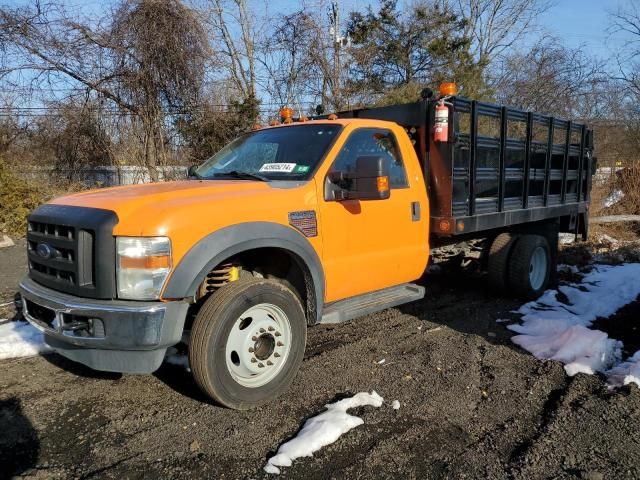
(287, 153)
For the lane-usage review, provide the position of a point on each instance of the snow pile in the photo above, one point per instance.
(578, 347)
(19, 339)
(322, 430)
(555, 330)
(567, 238)
(626, 372)
(613, 198)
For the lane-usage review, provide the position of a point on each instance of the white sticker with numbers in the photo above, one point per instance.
(278, 167)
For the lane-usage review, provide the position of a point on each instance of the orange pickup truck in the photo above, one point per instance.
(300, 223)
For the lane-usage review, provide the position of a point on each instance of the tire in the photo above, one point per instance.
(247, 342)
(498, 262)
(530, 266)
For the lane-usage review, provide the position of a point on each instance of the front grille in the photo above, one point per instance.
(62, 242)
(61, 248)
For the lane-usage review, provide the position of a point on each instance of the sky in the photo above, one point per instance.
(584, 23)
(576, 23)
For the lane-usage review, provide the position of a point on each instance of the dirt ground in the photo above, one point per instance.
(473, 405)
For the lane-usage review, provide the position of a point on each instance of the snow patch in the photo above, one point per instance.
(554, 330)
(567, 238)
(625, 373)
(578, 347)
(20, 339)
(613, 198)
(322, 430)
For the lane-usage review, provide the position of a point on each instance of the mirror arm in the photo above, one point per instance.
(341, 195)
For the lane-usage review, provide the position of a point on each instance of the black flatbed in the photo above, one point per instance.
(501, 167)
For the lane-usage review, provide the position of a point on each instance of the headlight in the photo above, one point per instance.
(143, 264)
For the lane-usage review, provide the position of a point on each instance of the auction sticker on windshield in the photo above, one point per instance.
(278, 167)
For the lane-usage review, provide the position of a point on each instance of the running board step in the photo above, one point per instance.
(350, 308)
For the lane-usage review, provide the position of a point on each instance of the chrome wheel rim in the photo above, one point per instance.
(538, 268)
(258, 345)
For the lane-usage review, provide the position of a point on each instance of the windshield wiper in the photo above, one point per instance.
(242, 175)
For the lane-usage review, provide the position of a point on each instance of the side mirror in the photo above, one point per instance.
(191, 172)
(370, 181)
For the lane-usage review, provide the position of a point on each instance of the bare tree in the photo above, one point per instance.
(144, 60)
(554, 79)
(626, 21)
(75, 135)
(159, 62)
(239, 51)
(495, 26)
(624, 115)
(286, 58)
(299, 62)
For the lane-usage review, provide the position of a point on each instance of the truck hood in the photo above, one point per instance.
(126, 199)
(206, 205)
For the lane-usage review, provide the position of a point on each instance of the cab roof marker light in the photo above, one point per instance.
(286, 112)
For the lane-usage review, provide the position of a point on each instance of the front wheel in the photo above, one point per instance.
(247, 342)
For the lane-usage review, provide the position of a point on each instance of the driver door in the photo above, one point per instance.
(369, 245)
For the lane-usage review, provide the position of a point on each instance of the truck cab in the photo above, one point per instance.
(303, 222)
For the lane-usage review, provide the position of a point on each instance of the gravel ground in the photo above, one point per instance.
(473, 405)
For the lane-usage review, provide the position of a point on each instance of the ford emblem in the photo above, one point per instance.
(45, 251)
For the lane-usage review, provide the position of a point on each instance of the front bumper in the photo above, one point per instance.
(109, 335)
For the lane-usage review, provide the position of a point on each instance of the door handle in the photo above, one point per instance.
(415, 211)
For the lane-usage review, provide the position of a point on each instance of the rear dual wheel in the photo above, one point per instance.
(498, 265)
(520, 264)
(530, 266)
(247, 342)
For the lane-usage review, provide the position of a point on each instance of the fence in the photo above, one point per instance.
(603, 174)
(107, 176)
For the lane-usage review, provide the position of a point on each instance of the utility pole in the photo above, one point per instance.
(338, 43)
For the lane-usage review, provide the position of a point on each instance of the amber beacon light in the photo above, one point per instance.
(448, 89)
